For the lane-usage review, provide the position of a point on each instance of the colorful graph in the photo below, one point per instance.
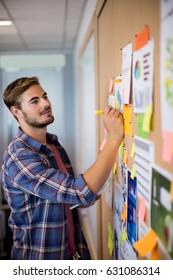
(137, 70)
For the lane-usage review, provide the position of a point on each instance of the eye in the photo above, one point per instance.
(34, 101)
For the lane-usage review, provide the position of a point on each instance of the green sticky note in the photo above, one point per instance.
(140, 131)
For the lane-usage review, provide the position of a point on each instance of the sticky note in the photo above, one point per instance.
(114, 168)
(142, 209)
(133, 172)
(124, 212)
(147, 118)
(111, 82)
(127, 112)
(154, 253)
(121, 149)
(125, 160)
(124, 235)
(146, 244)
(142, 37)
(102, 144)
(171, 190)
(132, 153)
(140, 131)
(128, 127)
(172, 143)
(166, 151)
(110, 239)
(119, 238)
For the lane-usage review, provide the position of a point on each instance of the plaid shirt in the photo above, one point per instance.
(36, 191)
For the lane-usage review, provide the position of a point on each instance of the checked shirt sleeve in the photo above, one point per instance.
(26, 171)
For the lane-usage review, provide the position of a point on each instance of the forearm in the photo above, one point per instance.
(97, 174)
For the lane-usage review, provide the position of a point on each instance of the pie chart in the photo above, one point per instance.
(137, 70)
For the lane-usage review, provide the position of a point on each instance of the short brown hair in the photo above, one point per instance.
(14, 90)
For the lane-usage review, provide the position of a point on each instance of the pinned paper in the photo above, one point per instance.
(154, 253)
(146, 244)
(111, 83)
(125, 156)
(166, 152)
(127, 112)
(133, 172)
(147, 118)
(142, 37)
(110, 239)
(171, 190)
(140, 131)
(124, 213)
(132, 153)
(142, 209)
(128, 127)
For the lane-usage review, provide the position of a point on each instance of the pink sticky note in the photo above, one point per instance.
(166, 151)
(111, 82)
(142, 209)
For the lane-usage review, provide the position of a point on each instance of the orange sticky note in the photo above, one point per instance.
(127, 112)
(154, 253)
(124, 213)
(142, 37)
(146, 244)
(166, 152)
(142, 209)
(171, 190)
(128, 127)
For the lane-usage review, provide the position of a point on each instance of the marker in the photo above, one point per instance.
(98, 112)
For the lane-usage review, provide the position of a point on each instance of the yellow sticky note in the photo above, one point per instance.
(125, 156)
(132, 153)
(121, 149)
(146, 244)
(147, 118)
(127, 112)
(114, 168)
(154, 253)
(133, 172)
(124, 212)
(124, 235)
(128, 127)
(171, 190)
(110, 239)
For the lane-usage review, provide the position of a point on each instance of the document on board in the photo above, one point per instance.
(126, 71)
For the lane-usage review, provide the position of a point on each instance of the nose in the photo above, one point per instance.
(45, 102)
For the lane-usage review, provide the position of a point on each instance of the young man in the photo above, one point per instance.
(38, 179)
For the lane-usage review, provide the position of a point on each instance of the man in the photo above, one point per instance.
(38, 179)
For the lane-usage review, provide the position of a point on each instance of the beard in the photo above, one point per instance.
(34, 123)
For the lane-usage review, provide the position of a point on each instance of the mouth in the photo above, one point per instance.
(46, 112)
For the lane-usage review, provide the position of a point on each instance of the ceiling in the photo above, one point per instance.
(40, 25)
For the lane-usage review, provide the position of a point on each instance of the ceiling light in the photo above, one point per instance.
(5, 22)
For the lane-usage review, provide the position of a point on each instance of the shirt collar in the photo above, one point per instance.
(33, 143)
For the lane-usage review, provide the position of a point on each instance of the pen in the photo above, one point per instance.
(98, 112)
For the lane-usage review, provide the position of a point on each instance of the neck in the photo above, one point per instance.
(38, 134)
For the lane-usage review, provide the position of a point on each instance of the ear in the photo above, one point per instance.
(16, 112)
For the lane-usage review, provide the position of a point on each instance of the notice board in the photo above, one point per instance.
(141, 211)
